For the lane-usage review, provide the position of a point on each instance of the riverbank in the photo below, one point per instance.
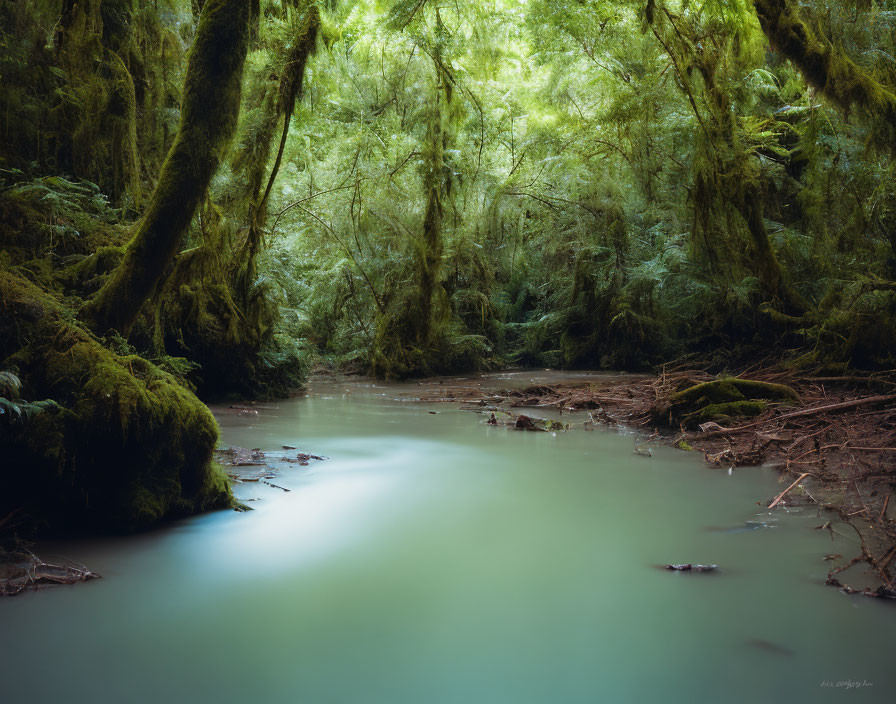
(434, 552)
(833, 439)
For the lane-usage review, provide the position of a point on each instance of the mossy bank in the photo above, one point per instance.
(123, 445)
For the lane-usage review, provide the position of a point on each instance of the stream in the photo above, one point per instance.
(433, 558)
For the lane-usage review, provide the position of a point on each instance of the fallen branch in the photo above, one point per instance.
(805, 412)
(30, 572)
(784, 493)
(838, 406)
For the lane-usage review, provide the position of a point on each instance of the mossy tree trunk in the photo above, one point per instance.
(96, 111)
(410, 331)
(210, 107)
(255, 161)
(430, 256)
(828, 69)
(727, 172)
(212, 307)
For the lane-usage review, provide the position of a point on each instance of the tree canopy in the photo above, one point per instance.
(419, 186)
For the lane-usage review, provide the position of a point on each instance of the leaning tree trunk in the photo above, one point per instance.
(827, 69)
(211, 101)
(765, 262)
(289, 92)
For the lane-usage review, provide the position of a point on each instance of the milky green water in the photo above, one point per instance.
(436, 559)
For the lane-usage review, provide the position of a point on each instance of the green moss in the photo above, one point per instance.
(829, 69)
(722, 400)
(725, 412)
(87, 275)
(730, 390)
(211, 101)
(54, 216)
(128, 444)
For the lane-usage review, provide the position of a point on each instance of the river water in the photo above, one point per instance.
(433, 558)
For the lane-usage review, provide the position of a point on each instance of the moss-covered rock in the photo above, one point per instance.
(126, 447)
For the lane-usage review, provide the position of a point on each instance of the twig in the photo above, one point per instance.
(783, 493)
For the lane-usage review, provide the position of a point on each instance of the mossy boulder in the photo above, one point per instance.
(723, 401)
(126, 447)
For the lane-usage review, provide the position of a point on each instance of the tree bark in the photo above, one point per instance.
(211, 101)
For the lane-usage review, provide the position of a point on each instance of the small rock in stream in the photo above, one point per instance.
(526, 423)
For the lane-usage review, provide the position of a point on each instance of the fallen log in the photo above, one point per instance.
(842, 406)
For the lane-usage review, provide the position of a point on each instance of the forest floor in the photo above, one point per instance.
(834, 442)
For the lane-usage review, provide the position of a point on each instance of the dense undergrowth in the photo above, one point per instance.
(202, 199)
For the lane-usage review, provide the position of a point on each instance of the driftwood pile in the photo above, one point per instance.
(22, 572)
(832, 437)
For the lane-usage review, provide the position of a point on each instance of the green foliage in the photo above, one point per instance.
(88, 90)
(10, 385)
(211, 102)
(54, 216)
(12, 408)
(445, 187)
